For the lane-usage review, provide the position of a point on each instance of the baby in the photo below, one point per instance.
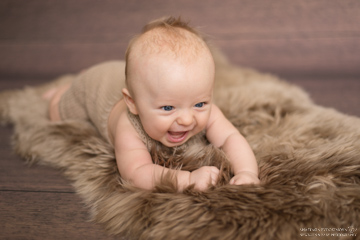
(166, 97)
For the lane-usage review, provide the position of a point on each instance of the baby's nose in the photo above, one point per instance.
(186, 118)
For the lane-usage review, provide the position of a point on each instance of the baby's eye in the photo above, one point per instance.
(200, 105)
(167, 108)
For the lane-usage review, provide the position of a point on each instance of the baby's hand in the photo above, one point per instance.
(245, 178)
(203, 177)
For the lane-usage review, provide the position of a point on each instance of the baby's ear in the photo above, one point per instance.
(129, 101)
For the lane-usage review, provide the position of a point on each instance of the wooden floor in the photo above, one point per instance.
(315, 45)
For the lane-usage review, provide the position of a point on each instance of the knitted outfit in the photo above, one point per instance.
(93, 94)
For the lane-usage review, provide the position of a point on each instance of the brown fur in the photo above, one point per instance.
(309, 159)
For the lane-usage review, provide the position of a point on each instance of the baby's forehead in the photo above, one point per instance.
(162, 48)
(175, 42)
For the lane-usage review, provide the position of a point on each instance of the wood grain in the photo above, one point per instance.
(341, 94)
(45, 215)
(318, 37)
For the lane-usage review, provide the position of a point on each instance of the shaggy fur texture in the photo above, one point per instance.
(309, 159)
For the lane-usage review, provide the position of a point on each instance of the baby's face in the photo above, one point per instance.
(173, 98)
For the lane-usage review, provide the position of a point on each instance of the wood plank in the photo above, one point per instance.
(296, 57)
(341, 94)
(43, 38)
(340, 57)
(45, 215)
(50, 60)
(70, 21)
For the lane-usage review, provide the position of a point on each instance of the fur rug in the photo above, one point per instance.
(309, 159)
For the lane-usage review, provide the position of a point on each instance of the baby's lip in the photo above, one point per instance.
(177, 136)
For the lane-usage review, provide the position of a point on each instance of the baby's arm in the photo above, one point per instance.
(135, 164)
(222, 133)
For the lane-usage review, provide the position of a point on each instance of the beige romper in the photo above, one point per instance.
(93, 94)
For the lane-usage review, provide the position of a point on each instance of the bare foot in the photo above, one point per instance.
(54, 97)
(49, 94)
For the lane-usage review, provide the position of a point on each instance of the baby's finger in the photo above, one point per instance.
(214, 171)
(232, 181)
(214, 176)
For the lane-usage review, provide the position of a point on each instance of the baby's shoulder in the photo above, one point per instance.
(215, 113)
(126, 136)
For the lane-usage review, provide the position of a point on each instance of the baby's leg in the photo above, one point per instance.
(54, 95)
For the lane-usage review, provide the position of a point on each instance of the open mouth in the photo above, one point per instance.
(176, 137)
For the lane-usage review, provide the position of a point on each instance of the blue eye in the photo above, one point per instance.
(200, 105)
(167, 108)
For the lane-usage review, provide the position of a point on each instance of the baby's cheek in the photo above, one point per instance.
(202, 123)
(156, 131)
